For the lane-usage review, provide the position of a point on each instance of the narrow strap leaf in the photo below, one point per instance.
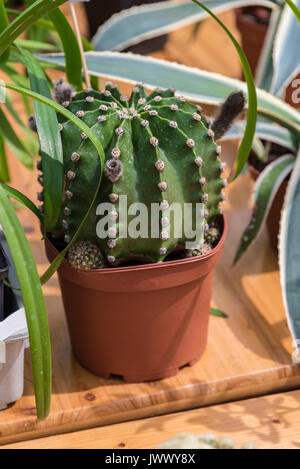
(34, 304)
(26, 19)
(15, 194)
(218, 313)
(50, 143)
(265, 191)
(90, 134)
(3, 25)
(14, 142)
(246, 144)
(294, 7)
(4, 171)
(71, 48)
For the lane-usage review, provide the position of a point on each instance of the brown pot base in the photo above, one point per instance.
(143, 377)
(144, 322)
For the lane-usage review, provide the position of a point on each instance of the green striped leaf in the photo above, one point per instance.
(265, 131)
(138, 23)
(34, 304)
(71, 48)
(289, 253)
(50, 144)
(197, 85)
(286, 57)
(265, 191)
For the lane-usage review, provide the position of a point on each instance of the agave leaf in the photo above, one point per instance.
(265, 191)
(34, 304)
(197, 85)
(138, 23)
(264, 131)
(286, 56)
(289, 253)
(264, 70)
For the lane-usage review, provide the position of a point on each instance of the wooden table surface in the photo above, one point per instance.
(247, 355)
(270, 422)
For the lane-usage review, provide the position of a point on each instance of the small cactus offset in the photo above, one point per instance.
(85, 255)
(159, 149)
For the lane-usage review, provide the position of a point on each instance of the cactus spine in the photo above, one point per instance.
(159, 149)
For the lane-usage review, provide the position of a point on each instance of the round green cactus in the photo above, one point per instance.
(159, 149)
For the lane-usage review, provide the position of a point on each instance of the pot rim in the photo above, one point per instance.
(155, 265)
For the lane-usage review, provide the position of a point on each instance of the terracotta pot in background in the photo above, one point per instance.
(141, 322)
(274, 215)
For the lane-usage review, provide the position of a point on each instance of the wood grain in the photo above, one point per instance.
(248, 354)
(271, 422)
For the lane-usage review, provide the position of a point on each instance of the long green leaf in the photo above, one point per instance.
(34, 304)
(295, 8)
(3, 25)
(289, 254)
(265, 191)
(71, 48)
(198, 85)
(147, 21)
(20, 80)
(15, 194)
(218, 313)
(31, 144)
(26, 19)
(34, 45)
(4, 171)
(246, 144)
(50, 144)
(90, 134)
(14, 143)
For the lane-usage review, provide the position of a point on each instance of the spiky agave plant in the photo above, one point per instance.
(159, 149)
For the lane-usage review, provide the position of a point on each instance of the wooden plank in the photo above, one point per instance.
(247, 355)
(271, 422)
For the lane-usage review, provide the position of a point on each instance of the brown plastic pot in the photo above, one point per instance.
(141, 322)
(274, 215)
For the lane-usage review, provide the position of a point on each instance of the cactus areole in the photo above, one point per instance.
(159, 150)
